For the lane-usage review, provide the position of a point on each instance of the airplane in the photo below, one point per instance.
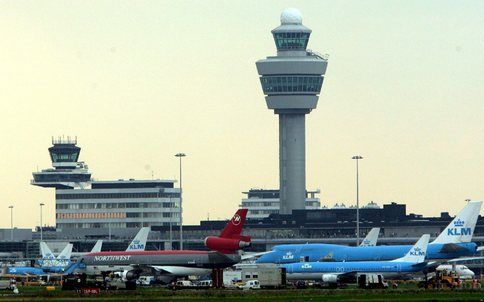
(222, 253)
(453, 242)
(462, 271)
(51, 264)
(332, 272)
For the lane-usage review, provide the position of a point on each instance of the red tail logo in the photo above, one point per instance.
(236, 219)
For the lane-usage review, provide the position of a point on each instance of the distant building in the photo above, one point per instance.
(82, 203)
(261, 203)
(119, 204)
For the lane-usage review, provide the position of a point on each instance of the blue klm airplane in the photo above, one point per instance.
(453, 242)
(412, 262)
(50, 264)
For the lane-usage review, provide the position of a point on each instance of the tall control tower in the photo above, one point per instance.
(291, 82)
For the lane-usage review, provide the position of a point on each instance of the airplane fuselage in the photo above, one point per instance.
(116, 261)
(291, 253)
(316, 270)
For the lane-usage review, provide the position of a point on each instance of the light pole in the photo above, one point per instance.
(357, 158)
(41, 205)
(180, 155)
(171, 228)
(11, 222)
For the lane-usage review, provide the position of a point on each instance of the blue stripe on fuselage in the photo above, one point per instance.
(348, 267)
(290, 253)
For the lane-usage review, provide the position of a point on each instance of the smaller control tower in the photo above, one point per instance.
(291, 82)
(67, 172)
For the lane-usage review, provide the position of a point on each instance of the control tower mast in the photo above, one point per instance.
(291, 82)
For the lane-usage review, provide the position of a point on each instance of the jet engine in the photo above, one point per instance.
(330, 278)
(226, 245)
(130, 275)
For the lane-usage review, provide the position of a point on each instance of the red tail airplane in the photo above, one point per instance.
(185, 262)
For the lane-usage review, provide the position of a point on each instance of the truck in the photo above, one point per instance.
(370, 281)
(268, 275)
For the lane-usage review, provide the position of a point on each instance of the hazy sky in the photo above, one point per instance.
(138, 81)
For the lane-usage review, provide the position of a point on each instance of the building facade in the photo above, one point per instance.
(261, 203)
(119, 204)
(82, 203)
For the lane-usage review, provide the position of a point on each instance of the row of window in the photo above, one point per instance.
(90, 215)
(96, 225)
(265, 212)
(284, 84)
(116, 195)
(151, 215)
(64, 157)
(248, 204)
(291, 40)
(260, 204)
(115, 205)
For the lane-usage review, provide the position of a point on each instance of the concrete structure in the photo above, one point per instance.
(67, 172)
(261, 203)
(82, 203)
(119, 204)
(291, 82)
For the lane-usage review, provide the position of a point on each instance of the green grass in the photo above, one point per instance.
(292, 295)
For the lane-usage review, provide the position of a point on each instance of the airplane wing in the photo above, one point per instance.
(181, 270)
(247, 256)
(457, 260)
(452, 261)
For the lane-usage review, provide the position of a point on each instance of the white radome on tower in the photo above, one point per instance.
(291, 16)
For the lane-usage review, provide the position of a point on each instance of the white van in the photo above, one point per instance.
(250, 284)
(145, 280)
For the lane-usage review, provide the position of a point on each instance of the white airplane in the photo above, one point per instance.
(462, 271)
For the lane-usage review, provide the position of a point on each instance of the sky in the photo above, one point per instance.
(138, 81)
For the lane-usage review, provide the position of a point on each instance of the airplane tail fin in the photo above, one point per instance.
(417, 253)
(371, 238)
(230, 239)
(461, 228)
(45, 251)
(233, 229)
(139, 242)
(97, 247)
(66, 252)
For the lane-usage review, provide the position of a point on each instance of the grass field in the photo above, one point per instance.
(292, 295)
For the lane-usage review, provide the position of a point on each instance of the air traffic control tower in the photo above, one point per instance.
(67, 171)
(291, 82)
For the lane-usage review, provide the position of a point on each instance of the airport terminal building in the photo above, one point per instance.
(118, 204)
(82, 203)
(262, 202)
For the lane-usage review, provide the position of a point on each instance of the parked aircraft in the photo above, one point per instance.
(412, 262)
(453, 242)
(223, 253)
(49, 263)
